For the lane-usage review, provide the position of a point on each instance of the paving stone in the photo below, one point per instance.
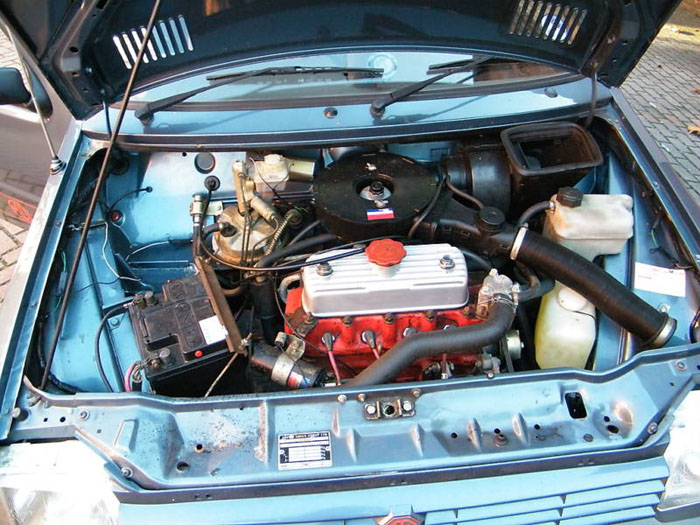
(6, 274)
(663, 97)
(7, 242)
(11, 256)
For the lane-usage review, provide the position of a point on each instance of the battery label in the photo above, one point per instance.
(304, 450)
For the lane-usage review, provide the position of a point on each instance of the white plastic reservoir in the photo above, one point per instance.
(565, 330)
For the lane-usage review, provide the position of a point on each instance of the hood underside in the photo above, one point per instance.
(86, 49)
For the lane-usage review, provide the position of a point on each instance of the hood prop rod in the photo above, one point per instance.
(57, 164)
(95, 195)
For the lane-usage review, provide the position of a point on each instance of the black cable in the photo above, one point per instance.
(303, 232)
(147, 189)
(197, 236)
(480, 261)
(298, 247)
(454, 189)
(692, 337)
(55, 381)
(98, 358)
(533, 210)
(208, 230)
(418, 220)
(105, 108)
(96, 193)
(287, 268)
(298, 266)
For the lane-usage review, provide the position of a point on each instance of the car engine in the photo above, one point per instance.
(255, 271)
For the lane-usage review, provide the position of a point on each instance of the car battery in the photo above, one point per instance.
(181, 340)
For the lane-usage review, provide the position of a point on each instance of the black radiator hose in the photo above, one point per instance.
(471, 338)
(605, 292)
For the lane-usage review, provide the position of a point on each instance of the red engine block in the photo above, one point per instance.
(350, 349)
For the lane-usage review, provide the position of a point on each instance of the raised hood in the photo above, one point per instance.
(86, 49)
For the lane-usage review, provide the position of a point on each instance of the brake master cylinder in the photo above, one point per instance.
(589, 225)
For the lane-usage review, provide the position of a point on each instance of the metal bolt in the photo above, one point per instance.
(342, 398)
(407, 406)
(430, 315)
(347, 320)
(370, 409)
(409, 331)
(164, 355)
(114, 322)
(376, 189)
(324, 269)
(83, 415)
(680, 365)
(327, 340)
(588, 437)
(20, 414)
(652, 428)
(127, 472)
(490, 375)
(150, 298)
(664, 308)
(500, 440)
(446, 262)
(389, 318)
(416, 392)
(361, 397)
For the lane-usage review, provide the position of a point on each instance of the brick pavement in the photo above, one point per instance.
(661, 88)
(11, 235)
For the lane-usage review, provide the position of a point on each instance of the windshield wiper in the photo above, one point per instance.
(145, 113)
(380, 104)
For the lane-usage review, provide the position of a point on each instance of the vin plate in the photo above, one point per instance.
(304, 450)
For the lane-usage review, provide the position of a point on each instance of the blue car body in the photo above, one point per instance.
(561, 445)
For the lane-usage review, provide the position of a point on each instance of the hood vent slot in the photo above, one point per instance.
(170, 37)
(547, 21)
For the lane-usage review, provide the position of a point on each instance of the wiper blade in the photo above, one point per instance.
(380, 104)
(459, 63)
(363, 72)
(145, 113)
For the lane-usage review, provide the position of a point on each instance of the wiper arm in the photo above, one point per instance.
(362, 72)
(380, 104)
(145, 113)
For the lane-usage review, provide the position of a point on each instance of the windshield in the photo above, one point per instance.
(399, 69)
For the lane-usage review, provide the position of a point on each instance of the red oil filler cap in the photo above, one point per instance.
(385, 252)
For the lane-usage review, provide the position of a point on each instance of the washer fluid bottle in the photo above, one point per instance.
(589, 225)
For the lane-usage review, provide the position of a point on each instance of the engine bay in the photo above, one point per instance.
(232, 272)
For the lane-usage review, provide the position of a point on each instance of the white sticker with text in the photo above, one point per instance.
(659, 280)
(212, 329)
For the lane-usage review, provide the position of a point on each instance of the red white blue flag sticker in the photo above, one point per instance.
(384, 213)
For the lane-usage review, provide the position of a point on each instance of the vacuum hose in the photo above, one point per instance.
(605, 292)
(426, 344)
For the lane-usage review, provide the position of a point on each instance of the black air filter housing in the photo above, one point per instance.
(372, 195)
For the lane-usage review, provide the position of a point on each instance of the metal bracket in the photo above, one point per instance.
(389, 409)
